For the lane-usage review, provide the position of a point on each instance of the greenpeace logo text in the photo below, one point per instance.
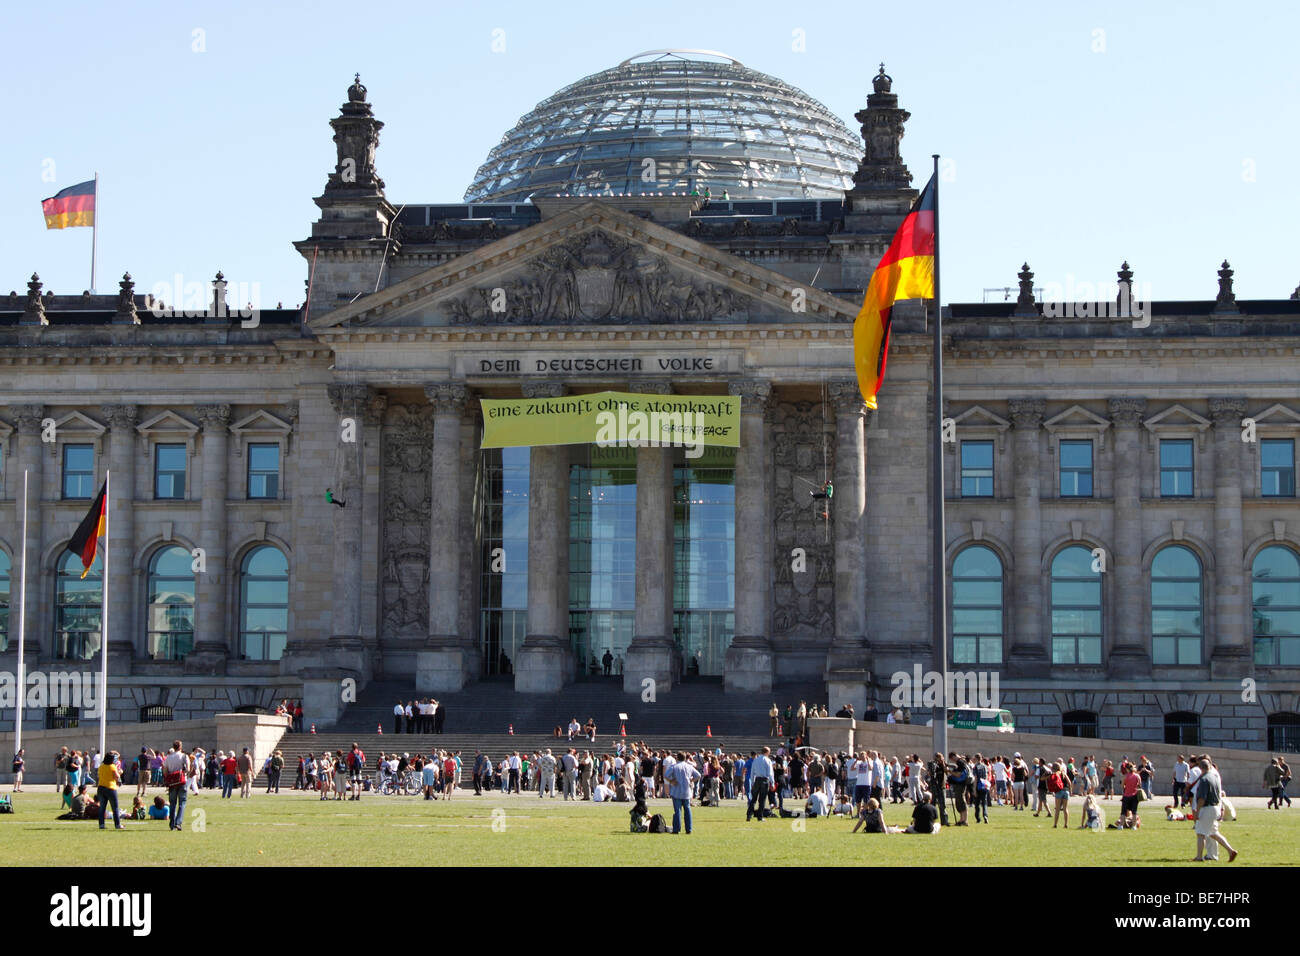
(951, 689)
(52, 689)
(78, 910)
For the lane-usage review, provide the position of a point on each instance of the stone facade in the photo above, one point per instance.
(373, 396)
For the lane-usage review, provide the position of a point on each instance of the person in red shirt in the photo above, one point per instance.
(449, 775)
(1129, 803)
(229, 768)
(1058, 785)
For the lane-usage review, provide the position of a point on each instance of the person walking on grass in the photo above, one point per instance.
(245, 765)
(175, 765)
(109, 779)
(1209, 801)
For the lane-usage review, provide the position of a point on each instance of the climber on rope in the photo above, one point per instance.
(329, 496)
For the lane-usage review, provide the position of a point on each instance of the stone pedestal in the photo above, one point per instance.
(322, 696)
(543, 665)
(846, 686)
(748, 669)
(443, 670)
(833, 734)
(656, 659)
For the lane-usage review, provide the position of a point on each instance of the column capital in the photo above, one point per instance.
(1027, 412)
(1227, 411)
(653, 386)
(755, 394)
(122, 417)
(1126, 409)
(213, 417)
(348, 398)
(447, 398)
(846, 397)
(28, 418)
(375, 406)
(542, 389)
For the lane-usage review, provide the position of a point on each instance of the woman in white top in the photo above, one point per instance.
(914, 770)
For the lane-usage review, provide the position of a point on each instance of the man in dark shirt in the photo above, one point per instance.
(925, 818)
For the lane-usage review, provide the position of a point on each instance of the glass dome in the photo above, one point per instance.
(674, 121)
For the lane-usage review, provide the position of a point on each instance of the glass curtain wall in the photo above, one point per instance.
(503, 567)
(704, 559)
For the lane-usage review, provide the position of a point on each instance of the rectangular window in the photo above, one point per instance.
(1076, 469)
(78, 471)
(263, 471)
(1277, 467)
(977, 469)
(1176, 468)
(169, 471)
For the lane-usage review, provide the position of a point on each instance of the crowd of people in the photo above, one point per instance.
(419, 716)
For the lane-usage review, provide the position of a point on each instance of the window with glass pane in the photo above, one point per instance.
(704, 544)
(1176, 468)
(1076, 469)
(1277, 467)
(1176, 621)
(171, 604)
(1076, 608)
(169, 471)
(78, 471)
(264, 604)
(977, 611)
(602, 554)
(1275, 606)
(503, 575)
(263, 471)
(1183, 729)
(78, 608)
(6, 565)
(977, 469)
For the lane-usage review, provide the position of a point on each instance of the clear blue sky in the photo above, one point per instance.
(1168, 138)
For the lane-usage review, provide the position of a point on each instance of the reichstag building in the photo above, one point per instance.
(1123, 533)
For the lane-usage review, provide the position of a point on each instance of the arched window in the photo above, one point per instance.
(1284, 733)
(1176, 617)
(1076, 608)
(977, 607)
(1183, 729)
(263, 604)
(5, 566)
(1079, 723)
(1275, 603)
(171, 604)
(78, 608)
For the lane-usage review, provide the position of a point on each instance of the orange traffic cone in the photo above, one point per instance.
(622, 730)
(380, 730)
(512, 730)
(708, 730)
(313, 728)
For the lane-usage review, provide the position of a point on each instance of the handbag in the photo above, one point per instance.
(174, 778)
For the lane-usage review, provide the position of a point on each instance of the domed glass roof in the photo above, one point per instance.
(673, 121)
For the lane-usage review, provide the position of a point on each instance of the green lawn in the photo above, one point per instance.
(296, 829)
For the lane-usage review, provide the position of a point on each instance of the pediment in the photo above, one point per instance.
(261, 422)
(77, 423)
(977, 416)
(167, 423)
(591, 265)
(1277, 415)
(1176, 417)
(1076, 417)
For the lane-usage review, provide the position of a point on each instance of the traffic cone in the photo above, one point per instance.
(380, 729)
(708, 730)
(622, 730)
(512, 730)
(313, 727)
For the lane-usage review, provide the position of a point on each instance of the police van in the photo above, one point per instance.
(981, 718)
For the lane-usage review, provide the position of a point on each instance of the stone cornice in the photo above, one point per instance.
(205, 354)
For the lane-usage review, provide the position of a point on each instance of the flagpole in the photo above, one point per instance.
(22, 629)
(103, 637)
(938, 570)
(94, 235)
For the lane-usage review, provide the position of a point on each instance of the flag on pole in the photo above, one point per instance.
(85, 542)
(906, 271)
(74, 206)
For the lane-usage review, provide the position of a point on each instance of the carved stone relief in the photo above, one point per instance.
(407, 450)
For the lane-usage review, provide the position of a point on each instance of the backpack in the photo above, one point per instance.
(658, 824)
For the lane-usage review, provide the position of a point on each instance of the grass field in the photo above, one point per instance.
(295, 829)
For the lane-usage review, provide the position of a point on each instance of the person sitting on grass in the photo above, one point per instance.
(67, 797)
(160, 810)
(844, 807)
(925, 818)
(1093, 817)
(638, 815)
(138, 811)
(871, 818)
(817, 805)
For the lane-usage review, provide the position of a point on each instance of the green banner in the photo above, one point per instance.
(612, 419)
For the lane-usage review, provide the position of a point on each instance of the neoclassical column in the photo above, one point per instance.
(27, 419)
(1230, 653)
(652, 653)
(1030, 653)
(848, 664)
(544, 662)
(212, 647)
(372, 523)
(122, 643)
(1130, 650)
(349, 402)
(749, 662)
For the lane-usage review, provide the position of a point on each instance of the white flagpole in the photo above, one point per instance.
(103, 626)
(22, 629)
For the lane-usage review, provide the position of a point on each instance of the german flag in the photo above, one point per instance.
(74, 206)
(906, 271)
(85, 542)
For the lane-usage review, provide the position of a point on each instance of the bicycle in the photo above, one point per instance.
(410, 784)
